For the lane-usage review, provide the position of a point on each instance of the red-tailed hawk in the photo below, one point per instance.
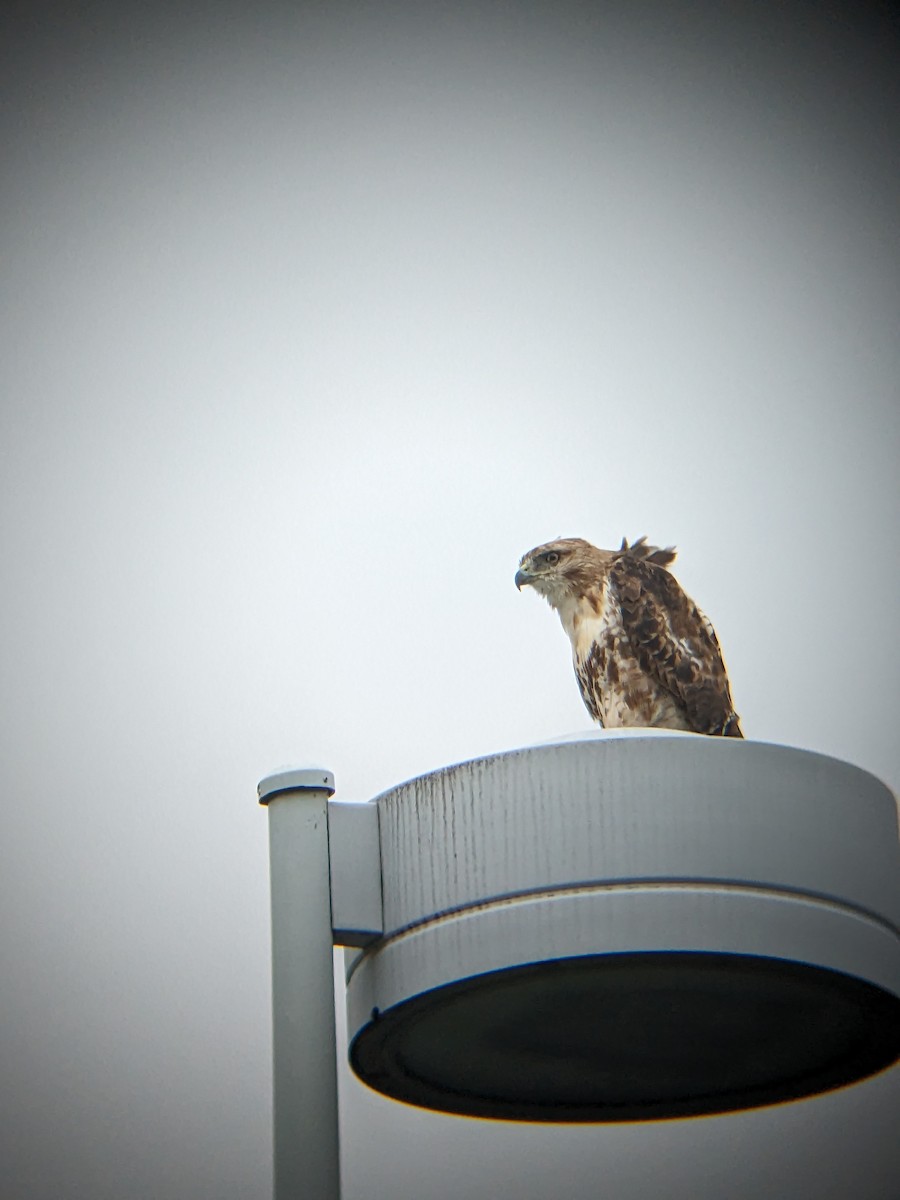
(644, 653)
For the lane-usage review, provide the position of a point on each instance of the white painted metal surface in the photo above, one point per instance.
(355, 857)
(304, 1051)
(624, 810)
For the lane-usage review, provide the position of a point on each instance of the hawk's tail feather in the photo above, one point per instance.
(733, 727)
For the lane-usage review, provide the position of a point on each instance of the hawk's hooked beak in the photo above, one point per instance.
(523, 579)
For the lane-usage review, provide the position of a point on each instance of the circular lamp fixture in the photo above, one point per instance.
(628, 928)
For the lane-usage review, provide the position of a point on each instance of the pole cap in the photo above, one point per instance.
(295, 779)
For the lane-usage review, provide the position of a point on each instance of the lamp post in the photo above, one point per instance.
(307, 1163)
(607, 928)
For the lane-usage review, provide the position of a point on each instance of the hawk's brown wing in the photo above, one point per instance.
(675, 643)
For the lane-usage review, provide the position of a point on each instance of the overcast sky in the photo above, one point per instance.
(315, 317)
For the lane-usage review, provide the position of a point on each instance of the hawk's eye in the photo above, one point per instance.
(551, 558)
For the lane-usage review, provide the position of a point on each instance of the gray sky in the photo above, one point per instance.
(314, 319)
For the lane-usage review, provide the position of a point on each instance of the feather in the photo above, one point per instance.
(653, 554)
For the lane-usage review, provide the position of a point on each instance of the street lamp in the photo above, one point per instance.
(613, 927)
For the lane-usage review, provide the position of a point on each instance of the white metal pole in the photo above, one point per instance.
(307, 1164)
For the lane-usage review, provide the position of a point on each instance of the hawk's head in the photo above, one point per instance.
(566, 568)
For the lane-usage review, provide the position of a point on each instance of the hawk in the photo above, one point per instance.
(644, 653)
